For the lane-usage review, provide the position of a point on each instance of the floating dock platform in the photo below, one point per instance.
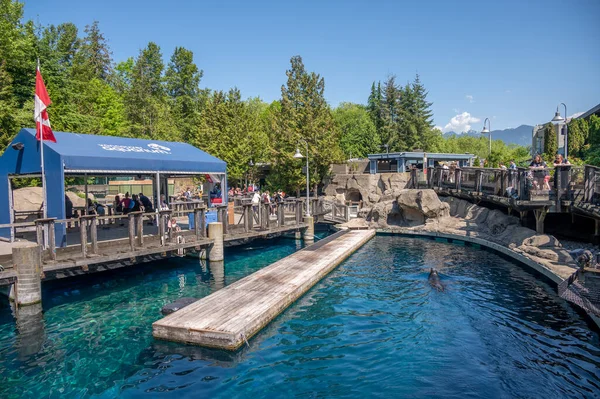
(230, 316)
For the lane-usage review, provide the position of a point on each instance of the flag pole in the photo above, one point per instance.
(44, 196)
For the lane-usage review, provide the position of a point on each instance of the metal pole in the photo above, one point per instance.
(85, 211)
(307, 183)
(157, 202)
(566, 131)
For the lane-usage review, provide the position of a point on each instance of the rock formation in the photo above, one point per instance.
(423, 211)
(369, 188)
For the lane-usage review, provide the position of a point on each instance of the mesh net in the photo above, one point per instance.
(582, 290)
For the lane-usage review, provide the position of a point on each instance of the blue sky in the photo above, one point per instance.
(511, 61)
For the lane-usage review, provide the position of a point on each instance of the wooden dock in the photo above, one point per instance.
(229, 317)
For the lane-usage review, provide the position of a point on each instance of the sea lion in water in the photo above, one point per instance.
(434, 280)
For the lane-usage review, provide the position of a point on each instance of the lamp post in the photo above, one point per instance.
(488, 131)
(558, 119)
(299, 155)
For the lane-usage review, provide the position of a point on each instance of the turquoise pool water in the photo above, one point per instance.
(373, 327)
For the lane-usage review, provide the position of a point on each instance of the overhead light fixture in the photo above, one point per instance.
(298, 154)
(557, 117)
(18, 146)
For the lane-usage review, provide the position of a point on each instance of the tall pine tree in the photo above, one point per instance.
(304, 115)
(182, 83)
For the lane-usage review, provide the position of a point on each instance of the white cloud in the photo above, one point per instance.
(470, 98)
(461, 123)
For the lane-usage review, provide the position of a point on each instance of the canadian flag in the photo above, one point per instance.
(42, 100)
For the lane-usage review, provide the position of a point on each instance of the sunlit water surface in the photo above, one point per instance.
(373, 327)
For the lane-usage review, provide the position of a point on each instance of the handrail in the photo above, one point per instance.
(561, 182)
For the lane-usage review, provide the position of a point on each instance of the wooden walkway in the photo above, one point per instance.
(229, 317)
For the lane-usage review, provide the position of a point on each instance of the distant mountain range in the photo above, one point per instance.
(520, 135)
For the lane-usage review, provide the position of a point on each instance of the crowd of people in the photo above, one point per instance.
(539, 174)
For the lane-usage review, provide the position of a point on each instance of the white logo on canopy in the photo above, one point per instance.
(152, 148)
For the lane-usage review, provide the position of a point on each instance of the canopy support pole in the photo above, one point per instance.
(86, 194)
(11, 209)
(157, 201)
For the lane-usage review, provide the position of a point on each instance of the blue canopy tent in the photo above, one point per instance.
(82, 154)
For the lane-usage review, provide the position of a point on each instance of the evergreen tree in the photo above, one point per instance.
(304, 115)
(391, 110)
(550, 142)
(147, 106)
(17, 50)
(423, 116)
(375, 107)
(182, 84)
(8, 108)
(94, 59)
(578, 132)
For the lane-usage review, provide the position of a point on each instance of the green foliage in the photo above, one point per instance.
(182, 85)
(592, 155)
(578, 131)
(304, 115)
(358, 133)
(479, 146)
(550, 142)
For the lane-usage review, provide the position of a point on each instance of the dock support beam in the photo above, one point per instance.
(215, 232)
(540, 215)
(309, 233)
(29, 282)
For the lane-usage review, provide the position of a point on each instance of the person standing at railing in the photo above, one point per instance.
(561, 171)
(540, 173)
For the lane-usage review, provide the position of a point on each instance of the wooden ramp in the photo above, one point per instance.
(228, 317)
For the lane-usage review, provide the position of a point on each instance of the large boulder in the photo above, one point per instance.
(405, 208)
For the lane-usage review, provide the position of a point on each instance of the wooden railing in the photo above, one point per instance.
(564, 183)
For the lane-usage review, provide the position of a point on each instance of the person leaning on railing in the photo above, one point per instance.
(562, 172)
(540, 176)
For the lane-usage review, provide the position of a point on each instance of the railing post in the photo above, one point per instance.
(558, 184)
(264, 220)
(131, 223)
(199, 222)
(92, 221)
(503, 181)
(52, 240)
(280, 214)
(45, 237)
(161, 227)
(203, 232)
(83, 235)
(457, 178)
(298, 211)
(522, 175)
(248, 217)
(222, 217)
(478, 180)
(140, 228)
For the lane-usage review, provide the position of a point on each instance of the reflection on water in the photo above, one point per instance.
(217, 271)
(30, 324)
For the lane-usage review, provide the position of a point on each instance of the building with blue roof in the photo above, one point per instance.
(76, 154)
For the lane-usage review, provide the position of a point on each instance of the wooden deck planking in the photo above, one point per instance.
(237, 312)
